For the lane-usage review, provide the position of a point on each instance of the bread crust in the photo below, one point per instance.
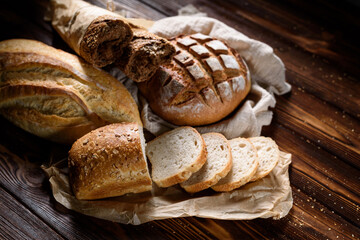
(201, 85)
(96, 34)
(108, 162)
(197, 187)
(65, 96)
(185, 173)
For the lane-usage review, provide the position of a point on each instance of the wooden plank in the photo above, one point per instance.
(265, 21)
(334, 183)
(17, 222)
(320, 123)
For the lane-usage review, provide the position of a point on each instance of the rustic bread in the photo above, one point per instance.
(205, 81)
(96, 34)
(109, 161)
(56, 95)
(144, 55)
(245, 164)
(103, 37)
(217, 166)
(269, 155)
(175, 155)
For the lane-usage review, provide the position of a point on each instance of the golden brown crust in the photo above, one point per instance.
(109, 162)
(205, 82)
(66, 96)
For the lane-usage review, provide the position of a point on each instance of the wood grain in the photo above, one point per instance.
(318, 122)
(17, 222)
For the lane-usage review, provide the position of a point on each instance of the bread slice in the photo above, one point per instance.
(175, 155)
(245, 164)
(217, 166)
(268, 153)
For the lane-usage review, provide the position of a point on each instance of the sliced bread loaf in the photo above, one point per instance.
(217, 166)
(245, 164)
(268, 153)
(175, 155)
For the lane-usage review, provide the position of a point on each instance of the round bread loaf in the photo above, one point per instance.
(205, 82)
(109, 161)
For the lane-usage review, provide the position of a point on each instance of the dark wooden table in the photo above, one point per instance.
(318, 122)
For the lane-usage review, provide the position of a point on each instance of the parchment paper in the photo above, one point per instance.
(265, 198)
(268, 197)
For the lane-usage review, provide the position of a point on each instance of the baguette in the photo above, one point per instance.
(102, 37)
(56, 95)
(96, 34)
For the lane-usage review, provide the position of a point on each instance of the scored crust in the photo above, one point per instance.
(205, 82)
(66, 96)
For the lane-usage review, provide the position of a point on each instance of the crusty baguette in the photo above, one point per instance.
(175, 155)
(109, 161)
(245, 164)
(205, 81)
(56, 95)
(102, 37)
(218, 164)
(96, 34)
(269, 155)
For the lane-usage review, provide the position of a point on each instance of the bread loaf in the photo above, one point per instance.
(102, 37)
(56, 95)
(109, 161)
(96, 34)
(175, 155)
(205, 81)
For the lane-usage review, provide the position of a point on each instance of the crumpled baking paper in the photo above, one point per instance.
(265, 198)
(270, 197)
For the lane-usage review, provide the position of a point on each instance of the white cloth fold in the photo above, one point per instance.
(266, 69)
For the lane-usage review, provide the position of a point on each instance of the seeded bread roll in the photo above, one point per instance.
(205, 81)
(108, 162)
(56, 95)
